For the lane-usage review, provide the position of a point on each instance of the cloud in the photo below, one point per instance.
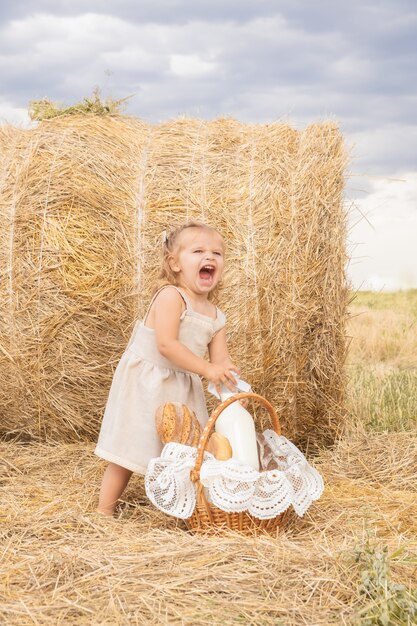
(10, 114)
(262, 62)
(156, 11)
(190, 65)
(383, 240)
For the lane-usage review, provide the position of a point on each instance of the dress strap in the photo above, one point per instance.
(186, 299)
(132, 334)
(219, 322)
(183, 296)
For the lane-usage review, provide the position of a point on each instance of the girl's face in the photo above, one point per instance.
(199, 259)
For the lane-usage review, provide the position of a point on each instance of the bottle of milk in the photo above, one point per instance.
(236, 423)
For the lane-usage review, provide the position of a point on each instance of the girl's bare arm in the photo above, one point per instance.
(168, 307)
(219, 354)
(167, 312)
(218, 351)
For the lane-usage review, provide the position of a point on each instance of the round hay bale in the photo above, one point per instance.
(83, 204)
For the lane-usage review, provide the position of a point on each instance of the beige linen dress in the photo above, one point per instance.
(143, 380)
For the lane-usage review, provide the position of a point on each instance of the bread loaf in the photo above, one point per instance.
(176, 422)
(219, 447)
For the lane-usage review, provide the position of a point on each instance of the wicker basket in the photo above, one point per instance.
(208, 518)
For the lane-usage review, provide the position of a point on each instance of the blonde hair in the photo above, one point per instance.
(170, 246)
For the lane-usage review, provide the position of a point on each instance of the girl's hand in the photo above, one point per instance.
(221, 375)
(236, 369)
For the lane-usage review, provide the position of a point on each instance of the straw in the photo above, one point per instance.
(83, 204)
(65, 564)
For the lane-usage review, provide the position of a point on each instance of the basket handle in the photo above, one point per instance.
(195, 472)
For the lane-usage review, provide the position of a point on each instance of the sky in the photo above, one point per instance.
(299, 61)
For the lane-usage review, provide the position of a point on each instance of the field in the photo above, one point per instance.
(382, 362)
(352, 559)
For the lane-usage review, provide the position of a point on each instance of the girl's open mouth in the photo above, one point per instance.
(206, 273)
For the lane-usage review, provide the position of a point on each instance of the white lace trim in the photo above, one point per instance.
(286, 479)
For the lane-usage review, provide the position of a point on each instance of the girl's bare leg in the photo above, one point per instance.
(114, 482)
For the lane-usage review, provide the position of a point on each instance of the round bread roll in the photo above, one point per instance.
(219, 447)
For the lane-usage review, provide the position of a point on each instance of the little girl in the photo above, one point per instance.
(164, 360)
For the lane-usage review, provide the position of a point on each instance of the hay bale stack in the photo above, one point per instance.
(83, 206)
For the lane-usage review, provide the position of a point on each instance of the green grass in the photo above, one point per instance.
(386, 603)
(382, 363)
(379, 301)
(93, 105)
(384, 401)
